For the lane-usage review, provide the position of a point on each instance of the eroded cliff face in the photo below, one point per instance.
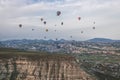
(40, 68)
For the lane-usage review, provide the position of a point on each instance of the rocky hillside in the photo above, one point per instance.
(40, 67)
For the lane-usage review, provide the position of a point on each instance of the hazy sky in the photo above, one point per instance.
(105, 14)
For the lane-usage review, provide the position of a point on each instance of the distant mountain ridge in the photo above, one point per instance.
(102, 40)
(63, 46)
(62, 40)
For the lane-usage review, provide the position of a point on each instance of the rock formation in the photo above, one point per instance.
(40, 67)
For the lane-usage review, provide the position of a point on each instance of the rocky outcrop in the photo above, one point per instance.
(40, 67)
(107, 71)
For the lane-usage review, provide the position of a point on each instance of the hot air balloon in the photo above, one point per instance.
(44, 37)
(81, 31)
(58, 13)
(44, 22)
(56, 39)
(20, 25)
(79, 18)
(32, 29)
(41, 19)
(61, 23)
(70, 36)
(46, 30)
(93, 22)
(93, 27)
